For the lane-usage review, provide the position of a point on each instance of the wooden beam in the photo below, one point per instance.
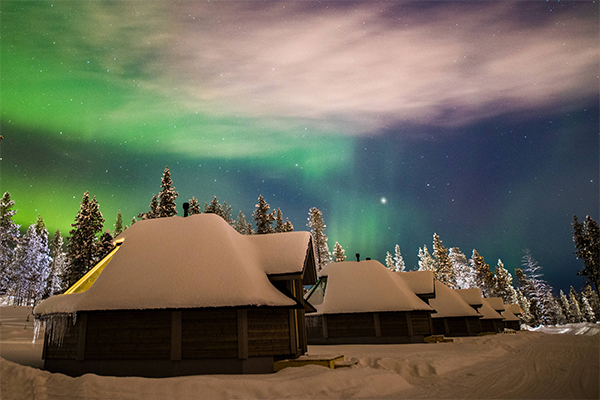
(82, 329)
(409, 324)
(242, 334)
(176, 317)
(430, 323)
(293, 331)
(377, 324)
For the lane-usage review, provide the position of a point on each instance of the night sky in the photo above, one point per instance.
(475, 120)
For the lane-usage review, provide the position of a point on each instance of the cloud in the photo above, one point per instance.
(368, 66)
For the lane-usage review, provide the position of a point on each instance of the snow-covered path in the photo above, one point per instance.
(519, 366)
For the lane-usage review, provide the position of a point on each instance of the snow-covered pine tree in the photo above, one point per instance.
(586, 310)
(279, 223)
(9, 235)
(119, 224)
(484, 279)
(399, 265)
(249, 229)
(443, 268)
(287, 226)
(263, 217)
(536, 289)
(426, 262)
(81, 249)
(214, 207)
(57, 267)
(389, 261)
(465, 278)
(153, 213)
(503, 283)
(167, 195)
(225, 213)
(564, 305)
(194, 206)
(593, 299)
(574, 308)
(240, 223)
(105, 245)
(317, 229)
(526, 316)
(586, 236)
(339, 254)
(133, 221)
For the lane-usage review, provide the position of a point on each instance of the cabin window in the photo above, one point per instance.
(317, 293)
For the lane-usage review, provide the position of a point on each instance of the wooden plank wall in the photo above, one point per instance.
(209, 333)
(393, 324)
(68, 348)
(439, 327)
(474, 325)
(268, 332)
(350, 325)
(421, 323)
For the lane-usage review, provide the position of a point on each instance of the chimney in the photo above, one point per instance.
(186, 207)
(357, 256)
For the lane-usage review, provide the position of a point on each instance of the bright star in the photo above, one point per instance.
(383, 200)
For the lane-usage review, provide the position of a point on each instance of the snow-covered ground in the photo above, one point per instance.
(527, 364)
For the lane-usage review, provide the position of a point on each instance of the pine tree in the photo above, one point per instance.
(54, 281)
(249, 230)
(593, 299)
(443, 268)
(194, 206)
(167, 195)
(81, 249)
(503, 283)
(241, 225)
(279, 221)
(287, 226)
(426, 262)
(153, 213)
(105, 245)
(465, 279)
(526, 315)
(317, 229)
(574, 308)
(537, 290)
(586, 310)
(9, 235)
(389, 261)
(214, 207)
(263, 217)
(339, 254)
(564, 305)
(399, 265)
(119, 224)
(586, 236)
(484, 279)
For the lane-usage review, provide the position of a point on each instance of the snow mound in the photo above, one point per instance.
(366, 286)
(471, 296)
(197, 261)
(420, 282)
(581, 328)
(488, 311)
(448, 303)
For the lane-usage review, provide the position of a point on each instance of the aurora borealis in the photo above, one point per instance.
(475, 120)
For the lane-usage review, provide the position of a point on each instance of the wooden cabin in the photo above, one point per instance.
(453, 316)
(474, 299)
(364, 302)
(183, 296)
(492, 320)
(511, 316)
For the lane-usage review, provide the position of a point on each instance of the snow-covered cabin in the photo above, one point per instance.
(183, 296)
(453, 316)
(364, 302)
(492, 320)
(511, 316)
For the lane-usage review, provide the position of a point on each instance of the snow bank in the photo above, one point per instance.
(581, 328)
(448, 303)
(488, 311)
(471, 296)
(198, 261)
(366, 286)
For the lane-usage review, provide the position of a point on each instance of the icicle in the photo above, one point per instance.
(38, 325)
(57, 326)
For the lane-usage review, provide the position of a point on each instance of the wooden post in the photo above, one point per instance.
(409, 324)
(242, 334)
(430, 320)
(325, 332)
(176, 317)
(377, 324)
(293, 333)
(82, 322)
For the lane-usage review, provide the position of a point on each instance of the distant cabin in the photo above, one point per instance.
(364, 302)
(184, 296)
(492, 320)
(453, 316)
(511, 316)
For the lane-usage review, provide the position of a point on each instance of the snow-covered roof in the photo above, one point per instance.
(497, 303)
(471, 296)
(365, 286)
(448, 303)
(513, 308)
(197, 261)
(488, 312)
(509, 316)
(421, 282)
